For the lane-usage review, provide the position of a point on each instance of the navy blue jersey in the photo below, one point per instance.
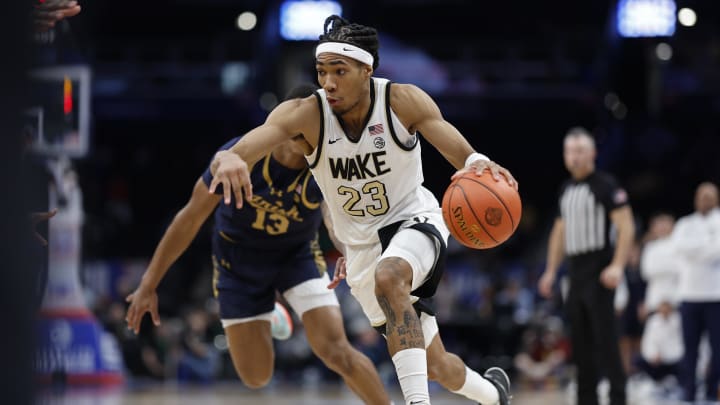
(284, 211)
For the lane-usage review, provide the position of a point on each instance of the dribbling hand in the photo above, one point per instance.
(480, 165)
(230, 171)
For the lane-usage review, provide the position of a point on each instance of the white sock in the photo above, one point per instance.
(478, 388)
(411, 368)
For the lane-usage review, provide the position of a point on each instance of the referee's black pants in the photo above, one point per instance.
(593, 330)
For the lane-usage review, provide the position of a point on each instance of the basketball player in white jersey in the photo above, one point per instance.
(362, 144)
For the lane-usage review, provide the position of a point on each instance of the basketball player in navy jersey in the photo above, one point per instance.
(269, 245)
(361, 138)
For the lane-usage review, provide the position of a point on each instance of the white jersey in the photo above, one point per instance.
(697, 240)
(373, 181)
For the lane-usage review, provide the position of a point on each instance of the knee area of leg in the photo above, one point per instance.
(386, 281)
(336, 355)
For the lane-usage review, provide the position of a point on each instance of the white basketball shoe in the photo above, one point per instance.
(281, 324)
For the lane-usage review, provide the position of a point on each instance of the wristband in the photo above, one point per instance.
(475, 156)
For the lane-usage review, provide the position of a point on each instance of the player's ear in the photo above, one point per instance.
(368, 71)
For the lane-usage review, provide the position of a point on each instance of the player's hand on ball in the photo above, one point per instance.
(497, 171)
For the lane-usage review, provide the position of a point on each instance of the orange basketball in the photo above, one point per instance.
(480, 212)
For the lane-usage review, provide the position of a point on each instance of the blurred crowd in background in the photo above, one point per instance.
(163, 100)
(488, 306)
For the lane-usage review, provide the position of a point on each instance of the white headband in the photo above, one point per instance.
(351, 51)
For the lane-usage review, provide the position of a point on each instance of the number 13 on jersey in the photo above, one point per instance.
(275, 224)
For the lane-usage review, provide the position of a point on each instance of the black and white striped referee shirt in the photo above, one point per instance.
(585, 207)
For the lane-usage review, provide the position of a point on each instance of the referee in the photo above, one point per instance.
(595, 230)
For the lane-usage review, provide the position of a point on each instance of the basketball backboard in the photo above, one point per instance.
(58, 118)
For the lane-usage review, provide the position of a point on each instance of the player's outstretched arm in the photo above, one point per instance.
(177, 238)
(419, 112)
(231, 168)
(232, 173)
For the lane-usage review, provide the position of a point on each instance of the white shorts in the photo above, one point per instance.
(303, 297)
(418, 249)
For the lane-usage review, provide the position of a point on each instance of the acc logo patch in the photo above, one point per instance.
(379, 142)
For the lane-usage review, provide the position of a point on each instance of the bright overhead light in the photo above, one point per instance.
(663, 51)
(303, 20)
(646, 18)
(246, 21)
(687, 17)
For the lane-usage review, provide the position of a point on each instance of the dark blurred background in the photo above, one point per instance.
(512, 76)
(174, 80)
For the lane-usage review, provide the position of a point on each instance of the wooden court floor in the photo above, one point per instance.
(228, 393)
(235, 394)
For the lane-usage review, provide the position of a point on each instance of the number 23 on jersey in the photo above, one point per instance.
(374, 189)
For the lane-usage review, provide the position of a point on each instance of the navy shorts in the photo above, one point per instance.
(245, 281)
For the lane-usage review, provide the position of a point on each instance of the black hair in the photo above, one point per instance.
(302, 90)
(351, 33)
